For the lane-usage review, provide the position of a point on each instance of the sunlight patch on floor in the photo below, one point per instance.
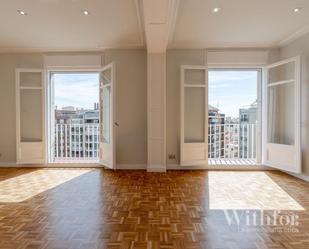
(23, 187)
(247, 190)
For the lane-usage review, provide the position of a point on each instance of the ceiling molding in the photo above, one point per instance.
(69, 49)
(174, 7)
(220, 45)
(159, 23)
(294, 36)
(140, 20)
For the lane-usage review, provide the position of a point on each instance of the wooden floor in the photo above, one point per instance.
(93, 208)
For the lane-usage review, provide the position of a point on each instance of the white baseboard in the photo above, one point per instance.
(300, 176)
(8, 165)
(156, 167)
(131, 166)
(161, 169)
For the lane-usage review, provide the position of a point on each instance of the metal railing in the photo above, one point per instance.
(81, 141)
(232, 141)
(76, 142)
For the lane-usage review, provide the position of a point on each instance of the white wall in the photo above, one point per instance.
(131, 78)
(8, 63)
(301, 47)
(131, 102)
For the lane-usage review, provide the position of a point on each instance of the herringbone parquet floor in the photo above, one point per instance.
(93, 208)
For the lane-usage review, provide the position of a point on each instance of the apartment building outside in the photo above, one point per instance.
(76, 134)
(247, 131)
(216, 132)
(232, 137)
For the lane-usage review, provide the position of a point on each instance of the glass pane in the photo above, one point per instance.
(31, 79)
(105, 102)
(281, 119)
(282, 72)
(195, 77)
(106, 76)
(194, 115)
(31, 115)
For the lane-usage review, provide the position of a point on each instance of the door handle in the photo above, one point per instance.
(116, 124)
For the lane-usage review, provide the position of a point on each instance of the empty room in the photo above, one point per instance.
(156, 124)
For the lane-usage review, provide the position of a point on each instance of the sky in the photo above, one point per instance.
(80, 90)
(228, 90)
(231, 90)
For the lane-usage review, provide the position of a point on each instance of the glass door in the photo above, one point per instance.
(281, 115)
(107, 117)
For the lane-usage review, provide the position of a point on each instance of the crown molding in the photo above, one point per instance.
(220, 45)
(69, 49)
(294, 36)
(140, 20)
(159, 23)
(173, 9)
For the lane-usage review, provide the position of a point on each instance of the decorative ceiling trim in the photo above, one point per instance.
(294, 36)
(174, 7)
(140, 20)
(219, 45)
(69, 49)
(159, 23)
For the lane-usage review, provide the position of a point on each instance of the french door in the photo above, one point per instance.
(194, 116)
(107, 117)
(281, 115)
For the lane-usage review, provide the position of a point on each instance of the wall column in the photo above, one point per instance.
(156, 112)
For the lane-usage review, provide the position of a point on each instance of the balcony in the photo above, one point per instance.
(228, 144)
(76, 143)
(232, 144)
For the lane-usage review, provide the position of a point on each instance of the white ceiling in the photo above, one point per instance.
(239, 23)
(59, 25)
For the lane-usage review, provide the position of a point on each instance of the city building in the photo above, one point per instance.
(216, 132)
(232, 137)
(247, 131)
(76, 134)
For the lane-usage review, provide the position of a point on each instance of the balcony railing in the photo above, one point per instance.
(76, 142)
(80, 142)
(232, 141)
